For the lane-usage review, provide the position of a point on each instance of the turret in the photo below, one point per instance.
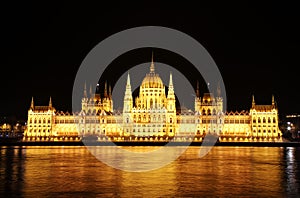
(50, 103)
(84, 91)
(32, 104)
(91, 92)
(128, 96)
(253, 102)
(197, 98)
(171, 107)
(171, 94)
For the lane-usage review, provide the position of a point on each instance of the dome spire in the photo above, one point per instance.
(152, 64)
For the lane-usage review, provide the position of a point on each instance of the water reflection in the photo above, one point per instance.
(74, 172)
(291, 176)
(12, 170)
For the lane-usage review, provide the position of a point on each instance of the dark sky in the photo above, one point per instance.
(256, 47)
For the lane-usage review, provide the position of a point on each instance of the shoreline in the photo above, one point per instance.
(144, 143)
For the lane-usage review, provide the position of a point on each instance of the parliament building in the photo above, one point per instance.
(152, 116)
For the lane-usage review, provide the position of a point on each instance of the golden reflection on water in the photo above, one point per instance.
(225, 171)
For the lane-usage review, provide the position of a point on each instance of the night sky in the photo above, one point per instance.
(256, 48)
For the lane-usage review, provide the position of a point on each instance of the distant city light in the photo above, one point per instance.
(288, 128)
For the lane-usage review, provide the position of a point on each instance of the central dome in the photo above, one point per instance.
(152, 80)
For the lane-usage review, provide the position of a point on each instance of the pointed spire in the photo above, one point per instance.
(253, 101)
(171, 87)
(109, 91)
(273, 101)
(84, 91)
(91, 92)
(219, 90)
(50, 102)
(128, 94)
(197, 90)
(171, 80)
(32, 104)
(105, 89)
(128, 80)
(152, 65)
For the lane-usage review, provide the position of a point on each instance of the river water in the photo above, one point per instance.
(72, 171)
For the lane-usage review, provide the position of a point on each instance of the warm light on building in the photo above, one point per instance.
(153, 114)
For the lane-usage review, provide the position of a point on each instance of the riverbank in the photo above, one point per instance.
(145, 143)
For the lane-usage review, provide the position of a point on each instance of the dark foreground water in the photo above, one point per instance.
(223, 172)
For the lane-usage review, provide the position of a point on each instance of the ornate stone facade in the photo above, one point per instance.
(153, 114)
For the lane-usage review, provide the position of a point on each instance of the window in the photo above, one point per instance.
(214, 112)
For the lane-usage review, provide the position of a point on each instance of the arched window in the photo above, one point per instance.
(269, 120)
(171, 120)
(259, 121)
(208, 112)
(274, 120)
(214, 112)
(264, 120)
(203, 112)
(127, 120)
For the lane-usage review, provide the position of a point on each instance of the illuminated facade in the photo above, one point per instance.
(152, 114)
